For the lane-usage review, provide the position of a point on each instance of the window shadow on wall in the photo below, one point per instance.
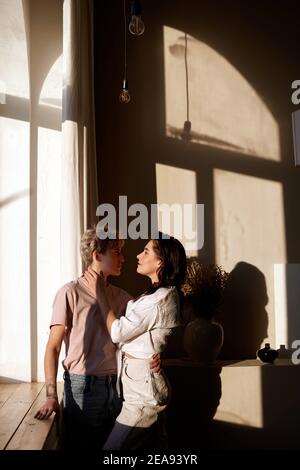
(243, 314)
(142, 142)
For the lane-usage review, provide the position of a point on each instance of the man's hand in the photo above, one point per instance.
(155, 363)
(47, 409)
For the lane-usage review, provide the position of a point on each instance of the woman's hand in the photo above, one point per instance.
(155, 363)
(50, 405)
(94, 282)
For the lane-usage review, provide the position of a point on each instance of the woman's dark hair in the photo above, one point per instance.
(172, 272)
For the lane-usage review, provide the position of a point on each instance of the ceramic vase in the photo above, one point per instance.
(203, 340)
(267, 354)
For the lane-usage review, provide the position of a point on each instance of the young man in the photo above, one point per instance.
(91, 403)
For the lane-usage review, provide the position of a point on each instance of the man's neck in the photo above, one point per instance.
(97, 269)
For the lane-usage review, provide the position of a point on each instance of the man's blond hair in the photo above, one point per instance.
(90, 242)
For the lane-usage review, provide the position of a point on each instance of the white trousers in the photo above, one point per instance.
(146, 395)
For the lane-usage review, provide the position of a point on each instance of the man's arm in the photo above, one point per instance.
(51, 366)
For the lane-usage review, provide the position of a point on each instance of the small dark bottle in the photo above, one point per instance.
(267, 354)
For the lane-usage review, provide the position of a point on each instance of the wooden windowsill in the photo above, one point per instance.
(19, 430)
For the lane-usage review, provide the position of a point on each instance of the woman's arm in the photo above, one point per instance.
(106, 310)
(96, 285)
(109, 320)
(121, 329)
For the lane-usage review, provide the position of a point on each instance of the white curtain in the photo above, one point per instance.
(79, 176)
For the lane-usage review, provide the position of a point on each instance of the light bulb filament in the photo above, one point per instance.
(136, 26)
(124, 96)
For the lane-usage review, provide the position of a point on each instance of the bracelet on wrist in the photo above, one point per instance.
(52, 395)
(51, 391)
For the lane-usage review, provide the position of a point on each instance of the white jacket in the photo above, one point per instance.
(147, 323)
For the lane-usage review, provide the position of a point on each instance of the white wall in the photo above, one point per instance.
(287, 303)
(15, 351)
(30, 43)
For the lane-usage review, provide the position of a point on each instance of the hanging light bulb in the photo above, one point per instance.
(124, 96)
(186, 134)
(136, 25)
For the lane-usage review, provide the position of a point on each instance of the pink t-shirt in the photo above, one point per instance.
(89, 349)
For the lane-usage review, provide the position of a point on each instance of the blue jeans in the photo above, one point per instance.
(91, 405)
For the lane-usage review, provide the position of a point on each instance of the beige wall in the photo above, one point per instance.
(242, 405)
(242, 62)
(241, 149)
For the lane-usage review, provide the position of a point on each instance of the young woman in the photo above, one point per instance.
(143, 331)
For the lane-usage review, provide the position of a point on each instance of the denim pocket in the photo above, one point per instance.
(78, 384)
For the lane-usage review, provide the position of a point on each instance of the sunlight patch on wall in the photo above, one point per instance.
(250, 227)
(287, 301)
(14, 249)
(281, 307)
(51, 94)
(178, 187)
(241, 400)
(224, 109)
(13, 49)
(15, 361)
(48, 207)
(48, 232)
